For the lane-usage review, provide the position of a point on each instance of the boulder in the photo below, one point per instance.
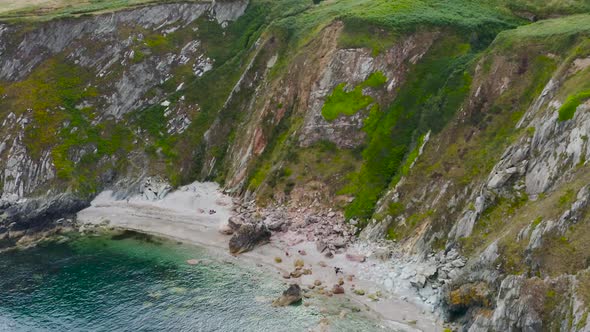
(338, 289)
(339, 243)
(291, 296)
(458, 263)
(321, 246)
(247, 237)
(418, 281)
(429, 271)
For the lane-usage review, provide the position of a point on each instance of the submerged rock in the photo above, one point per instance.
(291, 296)
(193, 261)
(247, 237)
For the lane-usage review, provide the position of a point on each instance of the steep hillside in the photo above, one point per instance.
(451, 129)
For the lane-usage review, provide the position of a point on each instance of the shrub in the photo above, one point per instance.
(342, 102)
(568, 109)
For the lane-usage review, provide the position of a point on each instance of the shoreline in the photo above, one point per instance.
(193, 214)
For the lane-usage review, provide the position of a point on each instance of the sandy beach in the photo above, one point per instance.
(194, 214)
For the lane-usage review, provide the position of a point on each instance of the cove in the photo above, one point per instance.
(135, 282)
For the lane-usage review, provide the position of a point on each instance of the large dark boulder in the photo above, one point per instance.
(247, 237)
(291, 296)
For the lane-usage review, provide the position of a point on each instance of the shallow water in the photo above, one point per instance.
(140, 283)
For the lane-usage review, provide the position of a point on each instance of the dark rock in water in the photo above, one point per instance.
(291, 296)
(38, 214)
(138, 236)
(247, 237)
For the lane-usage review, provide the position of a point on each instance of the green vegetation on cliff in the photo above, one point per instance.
(348, 103)
(60, 122)
(429, 99)
(568, 109)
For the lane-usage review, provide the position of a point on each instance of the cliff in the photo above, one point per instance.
(456, 131)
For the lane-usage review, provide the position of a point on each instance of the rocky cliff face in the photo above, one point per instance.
(72, 91)
(462, 150)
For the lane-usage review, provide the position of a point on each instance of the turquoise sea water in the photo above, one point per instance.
(141, 283)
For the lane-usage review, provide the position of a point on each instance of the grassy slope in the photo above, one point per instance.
(547, 8)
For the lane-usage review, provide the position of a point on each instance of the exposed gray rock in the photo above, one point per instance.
(418, 281)
(558, 147)
(514, 312)
(568, 217)
(464, 226)
(512, 164)
(22, 174)
(76, 40)
(57, 35)
(154, 189)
